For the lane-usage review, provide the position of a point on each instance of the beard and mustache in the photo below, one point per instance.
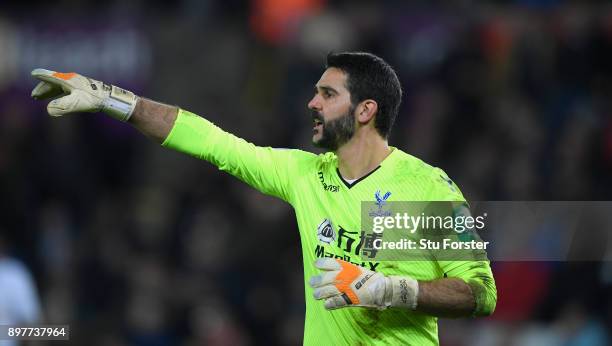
(335, 132)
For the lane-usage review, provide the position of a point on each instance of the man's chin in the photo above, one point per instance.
(322, 144)
(317, 142)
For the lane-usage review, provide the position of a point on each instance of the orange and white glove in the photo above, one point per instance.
(345, 284)
(73, 93)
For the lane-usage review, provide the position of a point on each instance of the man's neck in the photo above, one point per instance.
(361, 155)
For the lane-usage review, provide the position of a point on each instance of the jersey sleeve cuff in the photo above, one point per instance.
(188, 134)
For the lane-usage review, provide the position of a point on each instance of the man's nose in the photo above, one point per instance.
(314, 104)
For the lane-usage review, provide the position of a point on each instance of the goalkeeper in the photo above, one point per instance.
(349, 300)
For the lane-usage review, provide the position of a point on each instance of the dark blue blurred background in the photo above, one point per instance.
(132, 244)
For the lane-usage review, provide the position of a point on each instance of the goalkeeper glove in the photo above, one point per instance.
(73, 93)
(345, 284)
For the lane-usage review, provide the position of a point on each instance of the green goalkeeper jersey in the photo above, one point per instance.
(328, 215)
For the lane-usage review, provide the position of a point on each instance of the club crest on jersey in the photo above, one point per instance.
(380, 202)
(326, 232)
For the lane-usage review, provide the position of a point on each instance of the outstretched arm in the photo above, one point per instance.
(155, 120)
(72, 93)
(266, 169)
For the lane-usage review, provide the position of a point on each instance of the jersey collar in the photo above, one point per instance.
(388, 161)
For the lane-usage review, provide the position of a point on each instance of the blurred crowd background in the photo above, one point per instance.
(132, 244)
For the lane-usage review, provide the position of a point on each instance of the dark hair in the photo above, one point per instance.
(370, 77)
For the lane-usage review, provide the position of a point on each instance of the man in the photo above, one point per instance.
(355, 104)
(19, 304)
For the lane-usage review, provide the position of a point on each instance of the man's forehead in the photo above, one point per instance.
(333, 77)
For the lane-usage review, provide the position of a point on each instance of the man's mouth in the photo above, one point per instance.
(317, 123)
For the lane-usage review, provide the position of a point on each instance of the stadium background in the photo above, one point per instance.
(132, 244)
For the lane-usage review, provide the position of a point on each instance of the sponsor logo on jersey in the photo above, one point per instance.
(321, 252)
(350, 245)
(328, 187)
(325, 231)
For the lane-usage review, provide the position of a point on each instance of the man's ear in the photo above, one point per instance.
(366, 110)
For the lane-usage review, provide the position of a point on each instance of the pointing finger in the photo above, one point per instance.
(45, 90)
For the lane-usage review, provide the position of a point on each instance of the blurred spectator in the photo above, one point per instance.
(19, 304)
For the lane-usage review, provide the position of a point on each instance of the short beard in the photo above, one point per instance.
(337, 132)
